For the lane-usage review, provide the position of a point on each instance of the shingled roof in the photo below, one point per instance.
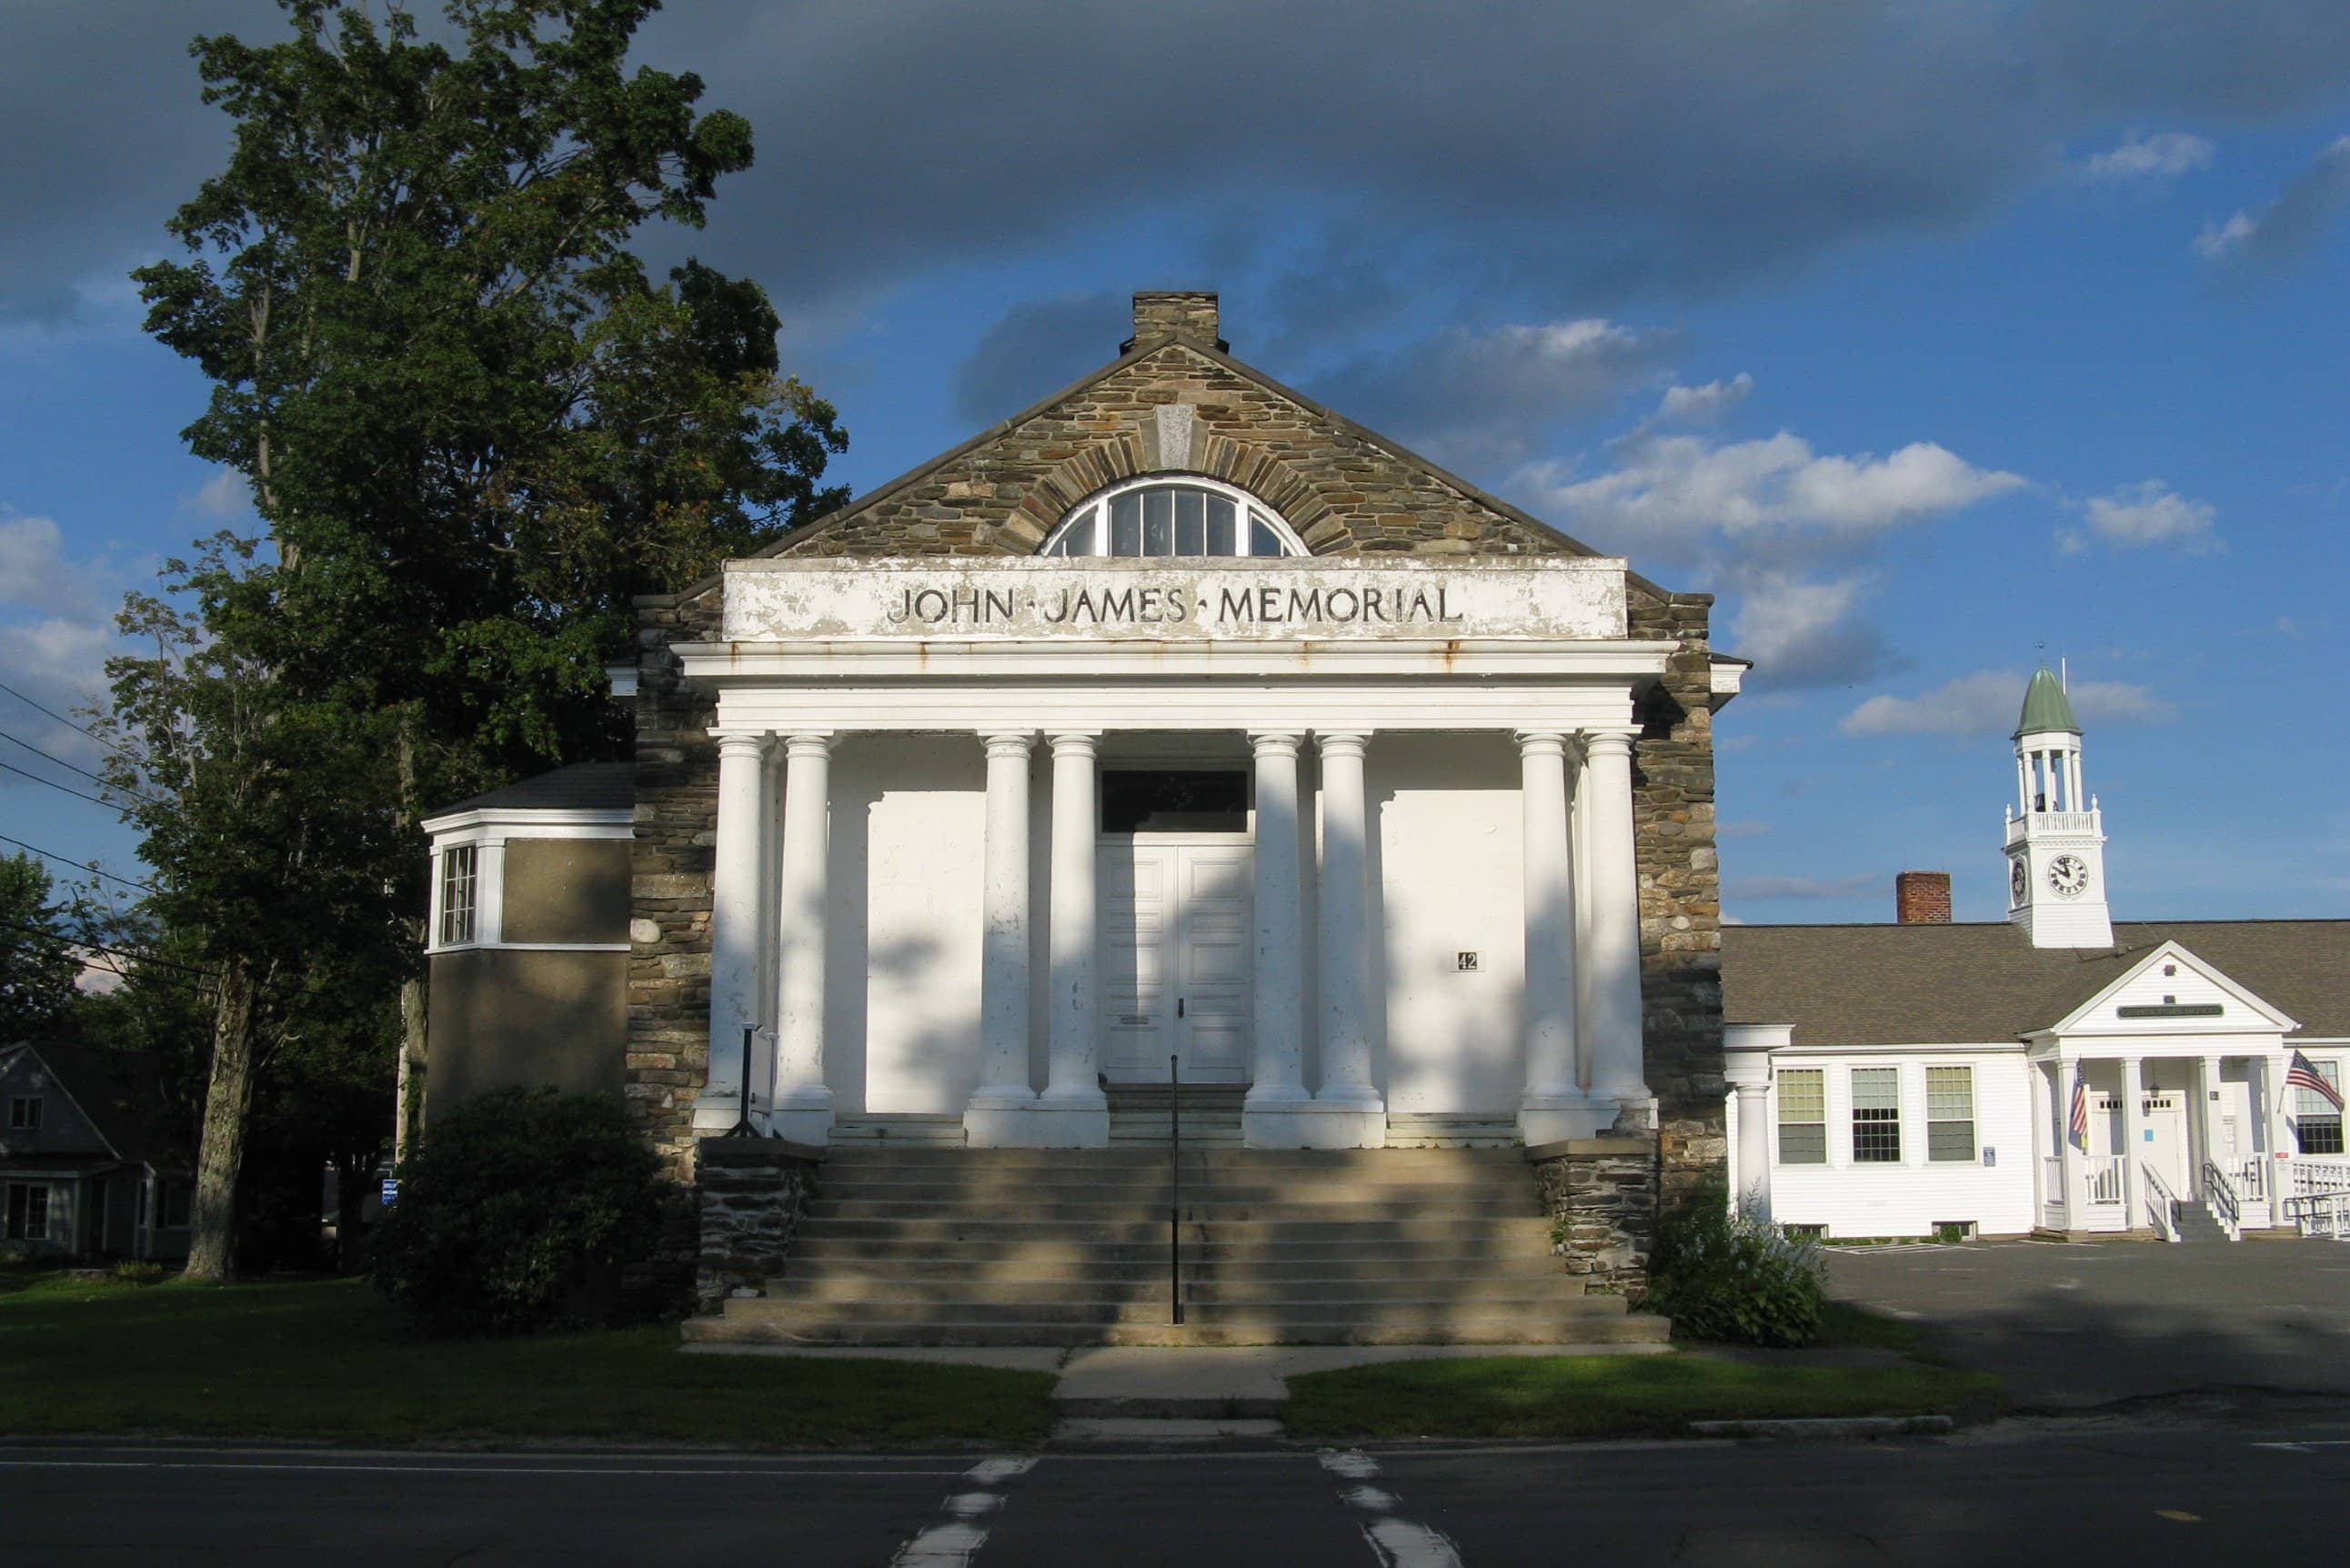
(582, 786)
(1964, 984)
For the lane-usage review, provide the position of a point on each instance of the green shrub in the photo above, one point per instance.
(518, 1211)
(132, 1271)
(1721, 1276)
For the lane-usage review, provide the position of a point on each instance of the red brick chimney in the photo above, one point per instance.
(1922, 898)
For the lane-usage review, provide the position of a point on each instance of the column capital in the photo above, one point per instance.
(1275, 742)
(742, 743)
(809, 744)
(1341, 743)
(1540, 743)
(1073, 742)
(1608, 742)
(1008, 743)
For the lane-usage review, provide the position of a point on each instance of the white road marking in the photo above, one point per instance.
(1396, 1542)
(2304, 1447)
(955, 1543)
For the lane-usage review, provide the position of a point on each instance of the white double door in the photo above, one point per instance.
(1177, 958)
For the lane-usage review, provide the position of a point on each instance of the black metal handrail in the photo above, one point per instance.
(743, 1127)
(1175, 1187)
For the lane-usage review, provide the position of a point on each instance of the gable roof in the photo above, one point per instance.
(582, 786)
(1959, 984)
(120, 1094)
(1137, 351)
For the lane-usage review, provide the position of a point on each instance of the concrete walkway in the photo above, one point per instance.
(1127, 1384)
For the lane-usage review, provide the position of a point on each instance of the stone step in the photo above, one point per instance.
(1051, 1161)
(922, 1131)
(1407, 1130)
(1085, 1270)
(1554, 1306)
(941, 1192)
(1236, 1232)
(1633, 1328)
(1356, 1254)
(1479, 1291)
(1210, 1207)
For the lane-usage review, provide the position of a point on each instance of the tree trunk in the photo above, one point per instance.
(228, 1107)
(408, 1116)
(352, 1172)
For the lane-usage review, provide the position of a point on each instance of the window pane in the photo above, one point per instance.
(1221, 533)
(1175, 800)
(1803, 1095)
(1803, 1145)
(1875, 1115)
(457, 896)
(1262, 539)
(1949, 1094)
(1158, 522)
(1876, 1088)
(1190, 523)
(1950, 1141)
(1126, 523)
(2320, 1135)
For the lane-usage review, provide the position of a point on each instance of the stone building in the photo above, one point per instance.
(1176, 726)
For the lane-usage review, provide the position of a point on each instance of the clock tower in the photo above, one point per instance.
(2055, 837)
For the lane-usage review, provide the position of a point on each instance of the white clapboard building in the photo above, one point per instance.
(2061, 1071)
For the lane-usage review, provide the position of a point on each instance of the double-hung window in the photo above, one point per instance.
(459, 883)
(1950, 1114)
(1877, 1115)
(25, 1113)
(2316, 1121)
(28, 1211)
(1803, 1117)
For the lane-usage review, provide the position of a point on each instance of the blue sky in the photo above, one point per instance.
(1923, 334)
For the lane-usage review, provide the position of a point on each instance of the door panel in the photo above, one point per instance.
(1136, 1007)
(1216, 952)
(1176, 961)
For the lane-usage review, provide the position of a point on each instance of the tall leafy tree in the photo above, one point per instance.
(474, 424)
(38, 964)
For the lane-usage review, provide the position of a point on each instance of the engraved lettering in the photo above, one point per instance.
(1235, 604)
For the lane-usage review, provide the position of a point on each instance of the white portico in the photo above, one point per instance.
(1356, 833)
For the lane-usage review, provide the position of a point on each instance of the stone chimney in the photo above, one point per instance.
(1189, 314)
(1922, 898)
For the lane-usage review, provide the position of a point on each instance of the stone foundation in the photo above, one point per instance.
(750, 1194)
(1602, 1195)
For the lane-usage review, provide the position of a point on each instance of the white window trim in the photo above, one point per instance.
(487, 833)
(1827, 1143)
(1092, 514)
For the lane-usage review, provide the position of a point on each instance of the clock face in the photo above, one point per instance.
(2016, 881)
(2069, 875)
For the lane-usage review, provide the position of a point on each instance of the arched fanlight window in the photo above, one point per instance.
(1173, 518)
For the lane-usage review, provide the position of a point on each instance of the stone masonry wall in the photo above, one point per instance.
(1176, 405)
(1681, 893)
(751, 1193)
(1602, 1196)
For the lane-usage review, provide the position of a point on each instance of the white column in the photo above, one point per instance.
(1347, 1111)
(1269, 1116)
(1617, 1067)
(2135, 1214)
(996, 1115)
(2275, 1139)
(1554, 1105)
(1754, 1149)
(735, 893)
(2036, 1086)
(803, 1102)
(1073, 1099)
(2207, 1130)
(2076, 1159)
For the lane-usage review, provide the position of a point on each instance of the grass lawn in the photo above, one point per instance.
(1607, 1395)
(330, 1359)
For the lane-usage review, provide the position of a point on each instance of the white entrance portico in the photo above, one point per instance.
(987, 837)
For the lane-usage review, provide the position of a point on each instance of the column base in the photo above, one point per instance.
(1270, 1117)
(1037, 1125)
(1333, 1125)
(810, 1124)
(1549, 1118)
(715, 1114)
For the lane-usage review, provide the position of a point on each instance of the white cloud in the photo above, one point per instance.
(224, 497)
(2293, 226)
(1804, 887)
(2165, 155)
(1701, 405)
(1988, 701)
(1805, 630)
(1673, 493)
(56, 631)
(2150, 512)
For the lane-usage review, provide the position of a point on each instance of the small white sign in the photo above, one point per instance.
(1466, 963)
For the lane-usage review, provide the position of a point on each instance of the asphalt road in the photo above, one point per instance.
(2071, 1326)
(2014, 1495)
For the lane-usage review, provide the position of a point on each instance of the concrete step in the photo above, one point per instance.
(1087, 1270)
(871, 1314)
(1478, 1291)
(1411, 1130)
(924, 1185)
(1212, 1208)
(1352, 1255)
(1633, 1328)
(1231, 1232)
(1067, 1158)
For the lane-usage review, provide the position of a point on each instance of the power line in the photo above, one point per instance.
(47, 854)
(53, 783)
(99, 778)
(102, 947)
(68, 723)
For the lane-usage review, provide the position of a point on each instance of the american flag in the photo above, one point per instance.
(2079, 1110)
(2303, 1075)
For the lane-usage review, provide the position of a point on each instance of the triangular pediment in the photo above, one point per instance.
(2171, 992)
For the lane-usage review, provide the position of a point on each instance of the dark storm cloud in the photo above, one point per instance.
(1563, 150)
(1036, 350)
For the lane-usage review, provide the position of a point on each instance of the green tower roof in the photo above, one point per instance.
(2045, 708)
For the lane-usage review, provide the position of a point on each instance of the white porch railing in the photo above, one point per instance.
(2319, 1203)
(2312, 1177)
(2105, 1179)
(2161, 1207)
(2251, 1178)
(2052, 1192)
(2219, 1194)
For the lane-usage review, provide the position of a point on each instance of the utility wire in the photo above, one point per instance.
(102, 947)
(99, 778)
(49, 855)
(110, 805)
(68, 723)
